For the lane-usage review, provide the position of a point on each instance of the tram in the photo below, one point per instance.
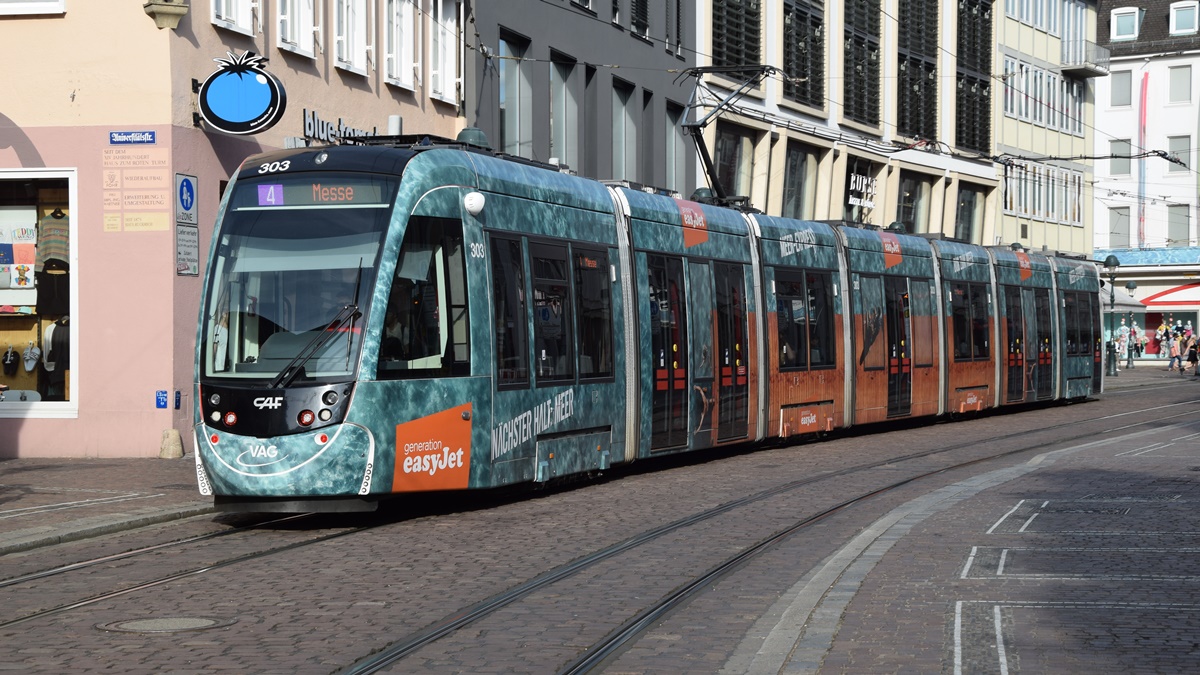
(411, 314)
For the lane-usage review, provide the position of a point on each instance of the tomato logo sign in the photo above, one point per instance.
(241, 97)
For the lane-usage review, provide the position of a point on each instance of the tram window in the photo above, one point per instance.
(804, 307)
(425, 325)
(921, 305)
(508, 310)
(1074, 324)
(553, 332)
(593, 306)
(969, 318)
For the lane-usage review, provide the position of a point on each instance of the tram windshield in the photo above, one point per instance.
(293, 276)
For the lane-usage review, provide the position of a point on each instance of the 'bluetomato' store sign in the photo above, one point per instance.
(241, 97)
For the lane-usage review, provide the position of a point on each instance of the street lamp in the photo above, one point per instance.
(1130, 287)
(1110, 346)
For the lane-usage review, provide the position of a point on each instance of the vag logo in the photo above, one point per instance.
(268, 402)
(260, 455)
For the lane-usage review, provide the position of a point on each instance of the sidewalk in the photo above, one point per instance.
(48, 501)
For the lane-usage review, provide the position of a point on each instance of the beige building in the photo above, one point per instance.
(110, 179)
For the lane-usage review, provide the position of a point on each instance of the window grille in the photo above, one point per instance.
(737, 32)
(804, 52)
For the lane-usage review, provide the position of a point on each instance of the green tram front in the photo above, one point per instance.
(292, 286)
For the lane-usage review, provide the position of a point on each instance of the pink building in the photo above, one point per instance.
(110, 179)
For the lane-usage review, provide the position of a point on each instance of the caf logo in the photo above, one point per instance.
(241, 97)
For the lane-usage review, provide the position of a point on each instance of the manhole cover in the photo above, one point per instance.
(172, 624)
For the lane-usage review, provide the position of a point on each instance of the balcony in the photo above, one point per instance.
(1081, 58)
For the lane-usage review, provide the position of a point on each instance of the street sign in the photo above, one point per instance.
(186, 212)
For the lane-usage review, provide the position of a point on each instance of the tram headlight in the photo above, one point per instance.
(329, 398)
(214, 400)
(324, 415)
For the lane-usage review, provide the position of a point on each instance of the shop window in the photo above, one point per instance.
(913, 208)
(36, 286)
(401, 45)
(968, 218)
(799, 181)
(234, 15)
(734, 158)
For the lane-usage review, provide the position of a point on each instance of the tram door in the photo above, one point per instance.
(1043, 373)
(733, 378)
(1014, 317)
(899, 335)
(668, 344)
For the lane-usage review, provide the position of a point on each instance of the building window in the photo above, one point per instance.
(861, 82)
(1121, 92)
(350, 35)
(968, 217)
(1118, 227)
(443, 50)
(674, 22)
(1179, 147)
(564, 111)
(516, 100)
(804, 51)
(912, 209)
(1125, 23)
(1119, 164)
(799, 181)
(234, 15)
(400, 43)
(973, 98)
(296, 26)
(861, 180)
(734, 158)
(736, 33)
(1179, 227)
(678, 146)
(639, 21)
(33, 7)
(1180, 84)
(1183, 18)
(917, 82)
(625, 132)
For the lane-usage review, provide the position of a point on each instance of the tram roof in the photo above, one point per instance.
(777, 228)
(669, 211)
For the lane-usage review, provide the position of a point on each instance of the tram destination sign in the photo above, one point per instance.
(317, 192)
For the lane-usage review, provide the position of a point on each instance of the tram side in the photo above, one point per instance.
(401, 320)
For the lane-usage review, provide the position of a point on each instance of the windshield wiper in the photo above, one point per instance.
(296, 366)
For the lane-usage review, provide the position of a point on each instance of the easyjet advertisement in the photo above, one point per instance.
(434, 452)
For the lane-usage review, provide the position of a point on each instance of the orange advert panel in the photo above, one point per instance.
(434, 452)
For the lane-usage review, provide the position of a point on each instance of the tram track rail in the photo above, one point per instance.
(632, 628)
(628, 632)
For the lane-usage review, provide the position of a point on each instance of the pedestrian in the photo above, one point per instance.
(1192, 357)
(1173, 351)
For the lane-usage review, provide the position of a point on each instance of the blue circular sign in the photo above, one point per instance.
(187, 194)
(241, 97)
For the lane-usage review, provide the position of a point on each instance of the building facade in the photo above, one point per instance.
(1147, 191)
(111, 175)
(591, 85)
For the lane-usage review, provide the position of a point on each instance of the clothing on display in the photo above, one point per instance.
(32, 355)
(10, 360)
(54, 288)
